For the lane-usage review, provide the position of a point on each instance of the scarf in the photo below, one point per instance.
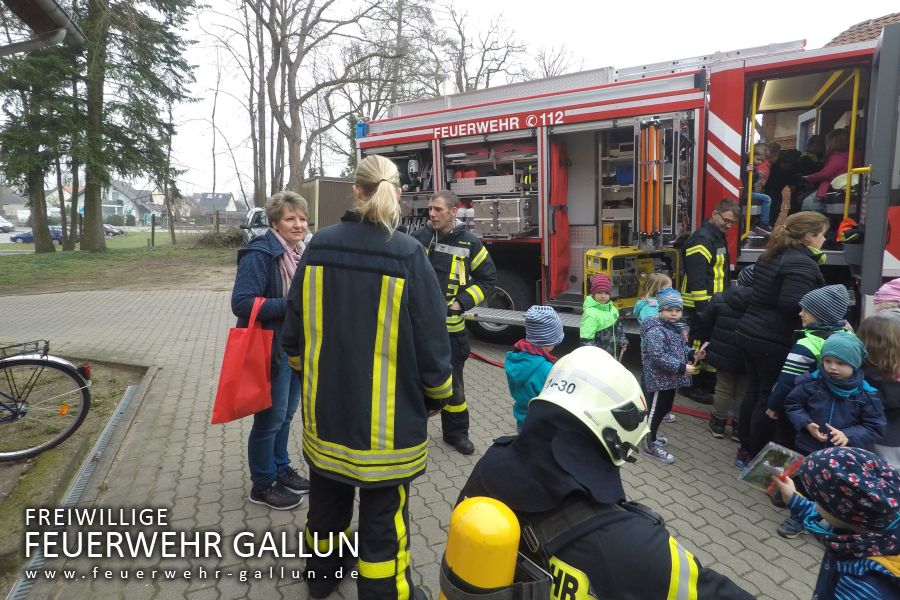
(844, 388)
(288, 261)
(847, 544)
(817, 255)
(529, 348)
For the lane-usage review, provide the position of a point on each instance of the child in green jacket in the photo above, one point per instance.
(600, 324)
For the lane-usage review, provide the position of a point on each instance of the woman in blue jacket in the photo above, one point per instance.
(265, 269)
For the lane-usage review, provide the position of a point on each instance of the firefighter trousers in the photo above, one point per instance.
(384, 554)
(455, 415)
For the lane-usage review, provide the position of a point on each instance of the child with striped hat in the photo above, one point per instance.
(529, 362)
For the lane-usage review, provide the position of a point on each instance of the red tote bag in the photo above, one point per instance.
(245, 383)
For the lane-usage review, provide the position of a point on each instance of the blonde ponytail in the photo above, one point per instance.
(376, 181)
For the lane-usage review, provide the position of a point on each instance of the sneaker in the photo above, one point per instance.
(790, 528)
(742, 458)
(669, 418)
(463, 445)
(656, 450)
(293, 481)
(716, 427)
(662, 440)
(735, 433)
(275, 496)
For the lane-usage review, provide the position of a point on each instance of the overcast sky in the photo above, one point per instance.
(598, 32)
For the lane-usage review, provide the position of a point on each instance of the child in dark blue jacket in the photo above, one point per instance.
(667, 362)
(528, 364)
(834, 406)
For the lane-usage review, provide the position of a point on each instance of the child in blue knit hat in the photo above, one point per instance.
(668, 365)
(529, 362)
(834, 406)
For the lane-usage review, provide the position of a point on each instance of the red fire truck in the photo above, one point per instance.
(606, 170)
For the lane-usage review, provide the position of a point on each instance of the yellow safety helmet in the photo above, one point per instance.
(601, 393)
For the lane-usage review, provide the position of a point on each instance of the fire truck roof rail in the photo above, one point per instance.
(511, 91)
(708, 60)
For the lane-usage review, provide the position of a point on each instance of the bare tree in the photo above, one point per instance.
(478, 59)
(305, 36)
(550, 61)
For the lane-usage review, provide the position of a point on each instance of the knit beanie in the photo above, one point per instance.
(855, 485)
(543, 326)
(601, 283)
(845, 347)
(889, 292)
(828, 304)
(669, 298)
(745, 277)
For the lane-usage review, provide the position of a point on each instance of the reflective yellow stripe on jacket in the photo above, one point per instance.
(441, 392)
(384, 363)
(312, 324)
(683, 580)
(365, 465)
(719, 274)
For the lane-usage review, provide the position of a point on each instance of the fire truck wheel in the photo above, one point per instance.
(512, 292)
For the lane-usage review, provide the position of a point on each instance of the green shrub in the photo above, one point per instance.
(130, 221)
(115, 220)
(226, 238)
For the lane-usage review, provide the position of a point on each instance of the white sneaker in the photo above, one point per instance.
(655, 450)
(669, 418)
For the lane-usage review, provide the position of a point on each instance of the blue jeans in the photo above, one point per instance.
(765, 207)
(267, 445)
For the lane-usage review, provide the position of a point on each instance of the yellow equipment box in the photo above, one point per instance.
(625, 266)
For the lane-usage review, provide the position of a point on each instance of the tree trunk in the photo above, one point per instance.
(63, 217)
(42, 241)
(97, 30)
(74, 230)
(261, 174)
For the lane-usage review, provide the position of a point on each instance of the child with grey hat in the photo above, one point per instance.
(834, 406)
(529, 362)
(822, 313)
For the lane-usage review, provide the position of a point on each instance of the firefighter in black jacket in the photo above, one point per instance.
(466, 275)
(364, 327)
(707, 271)
(560, 476)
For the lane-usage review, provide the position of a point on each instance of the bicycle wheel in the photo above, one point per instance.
(42, 402)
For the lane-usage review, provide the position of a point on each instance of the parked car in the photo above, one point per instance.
(27, 237)
(109, 230)
(255, 223)
(6, 226)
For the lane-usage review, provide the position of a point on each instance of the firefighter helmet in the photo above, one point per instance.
(601, 393)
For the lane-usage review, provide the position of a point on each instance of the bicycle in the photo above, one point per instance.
(44, 399)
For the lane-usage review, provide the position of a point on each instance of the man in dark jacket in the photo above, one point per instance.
(560, 476)
(707, 271)
(721, 317)
(466, 275)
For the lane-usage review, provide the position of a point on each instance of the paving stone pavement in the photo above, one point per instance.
(171, 457)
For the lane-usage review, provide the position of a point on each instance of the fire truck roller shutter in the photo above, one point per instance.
(514, 291)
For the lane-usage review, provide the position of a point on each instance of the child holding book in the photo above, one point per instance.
(851, 505)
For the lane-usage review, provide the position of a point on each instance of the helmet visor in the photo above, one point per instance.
(629, 417)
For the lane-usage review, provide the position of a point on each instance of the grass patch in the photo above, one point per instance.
(135, 267)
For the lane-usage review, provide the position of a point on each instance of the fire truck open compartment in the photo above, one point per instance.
(793, 107)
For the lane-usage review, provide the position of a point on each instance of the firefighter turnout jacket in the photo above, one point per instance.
(575, 524)
(707, 267)
(364, 328)
(464, 269)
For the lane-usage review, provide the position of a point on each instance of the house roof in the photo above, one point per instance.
(210, 202)
(865, 31)
(8, 196)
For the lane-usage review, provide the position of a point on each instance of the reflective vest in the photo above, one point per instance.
(463, 267)
(707, 266)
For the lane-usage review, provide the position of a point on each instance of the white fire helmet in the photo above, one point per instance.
(604, 395)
